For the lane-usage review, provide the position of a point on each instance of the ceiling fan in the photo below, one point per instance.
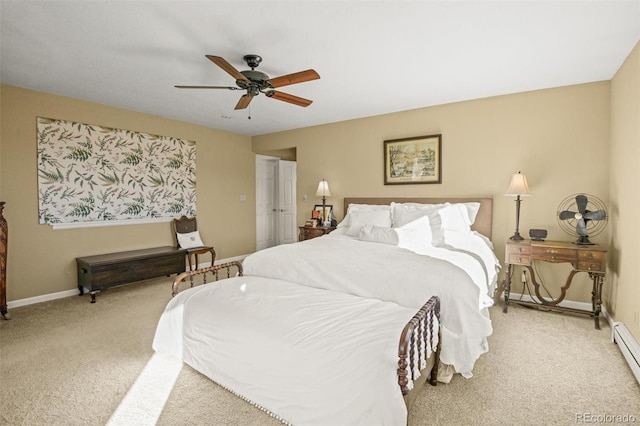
(256, 82)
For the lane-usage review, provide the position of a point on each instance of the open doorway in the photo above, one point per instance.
(276, 207)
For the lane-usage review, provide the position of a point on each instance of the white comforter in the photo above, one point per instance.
(463, 277)
(312, 357)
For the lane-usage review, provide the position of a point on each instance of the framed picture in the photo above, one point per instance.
(311, 223)
(317, 213)
(413, 160)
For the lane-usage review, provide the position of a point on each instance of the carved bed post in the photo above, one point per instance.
(4, 238)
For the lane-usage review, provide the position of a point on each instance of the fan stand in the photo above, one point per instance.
(583, 241)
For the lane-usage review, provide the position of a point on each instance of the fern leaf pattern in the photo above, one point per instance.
(93, 173)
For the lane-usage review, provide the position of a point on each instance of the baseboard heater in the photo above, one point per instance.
(628, 346)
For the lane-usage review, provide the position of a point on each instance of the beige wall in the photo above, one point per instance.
(558, 137)
(581, 138)
(624, 279)
(42, 261)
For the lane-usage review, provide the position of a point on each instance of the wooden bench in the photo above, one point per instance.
(99, 272)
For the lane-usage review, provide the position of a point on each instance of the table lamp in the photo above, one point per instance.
(323, 191)
(518, 188)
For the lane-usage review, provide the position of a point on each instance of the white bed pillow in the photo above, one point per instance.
(455, 217)
(472, 209)
(403, 213)
(415, 236)
(378, 234)
(376, 217)
(346, 222)
(445, 216)
(189, 240)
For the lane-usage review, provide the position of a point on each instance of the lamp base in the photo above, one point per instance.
(516, 237)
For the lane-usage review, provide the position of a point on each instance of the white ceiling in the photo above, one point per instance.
(374, 57)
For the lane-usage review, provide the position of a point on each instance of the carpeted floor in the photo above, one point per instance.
(69, 362)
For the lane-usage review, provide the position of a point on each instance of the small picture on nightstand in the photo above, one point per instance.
(318, 211)
(311, 223)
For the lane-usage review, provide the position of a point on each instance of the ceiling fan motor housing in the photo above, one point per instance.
(258, 81)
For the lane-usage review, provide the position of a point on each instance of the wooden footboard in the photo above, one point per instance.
(420, 340)
(215, 270)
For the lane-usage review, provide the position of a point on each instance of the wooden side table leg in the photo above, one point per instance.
(507, 288)
(598, 281)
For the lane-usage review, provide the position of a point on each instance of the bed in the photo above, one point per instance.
(345, 328)
(307, 356)
(462, 271)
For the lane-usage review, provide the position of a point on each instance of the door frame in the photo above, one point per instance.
(275, 161)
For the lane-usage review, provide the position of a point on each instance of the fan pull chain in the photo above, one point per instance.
(249, 118)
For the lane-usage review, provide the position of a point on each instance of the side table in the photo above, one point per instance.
(583, 258)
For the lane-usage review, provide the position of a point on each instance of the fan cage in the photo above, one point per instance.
(594, 227)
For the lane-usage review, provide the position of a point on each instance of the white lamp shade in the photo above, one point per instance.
(518, 185)
(323, 189)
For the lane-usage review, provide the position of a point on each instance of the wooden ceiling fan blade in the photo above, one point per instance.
(208, 87)
(296, 77)
(226, 66)
(288, 98)
(244, 102)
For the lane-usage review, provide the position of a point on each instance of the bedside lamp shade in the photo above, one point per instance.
(518, 187)
(323, 189)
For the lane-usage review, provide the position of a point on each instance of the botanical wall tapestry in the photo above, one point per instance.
(90, 173)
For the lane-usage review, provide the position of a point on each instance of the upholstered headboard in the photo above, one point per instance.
(483, 219)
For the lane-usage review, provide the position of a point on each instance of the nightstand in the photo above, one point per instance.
(309, 232)
(591, 259)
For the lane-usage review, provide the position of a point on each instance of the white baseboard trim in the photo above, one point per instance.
(66, 293)
(629, 347)
(43, 298)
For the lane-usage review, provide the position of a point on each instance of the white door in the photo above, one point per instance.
(275, 202)
(287, 202)
(266, 209)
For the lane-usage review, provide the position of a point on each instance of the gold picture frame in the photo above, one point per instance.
(413, 160)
